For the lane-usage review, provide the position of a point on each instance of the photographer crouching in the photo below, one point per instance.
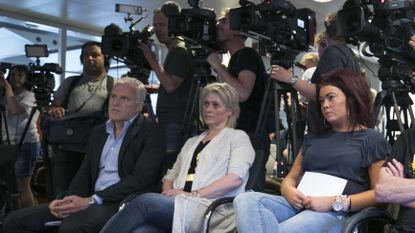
(79, 103)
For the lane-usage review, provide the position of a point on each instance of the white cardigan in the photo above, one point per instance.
(228, 152)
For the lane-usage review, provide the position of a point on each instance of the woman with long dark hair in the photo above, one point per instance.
(342, 147)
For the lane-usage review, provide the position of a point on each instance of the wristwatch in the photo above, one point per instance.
(341, 203)
(92, 201)
(293, 80)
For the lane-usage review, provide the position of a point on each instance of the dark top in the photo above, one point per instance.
(347, 155)
(334, 57)
(249, 59)
(171, 106)
(139, 162)
(404, 151)
(193, 164)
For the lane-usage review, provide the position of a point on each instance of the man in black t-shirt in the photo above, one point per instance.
(246, 73)
(174, 77)
(336, 55)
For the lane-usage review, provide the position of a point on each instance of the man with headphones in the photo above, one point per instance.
(84, 95)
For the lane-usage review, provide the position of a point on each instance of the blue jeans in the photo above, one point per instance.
(260, 212)
(147, 211)
(26, 159)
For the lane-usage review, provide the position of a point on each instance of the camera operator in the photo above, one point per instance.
(19, 103)
(336, 55)
(246, 73)
(87, 97)
(174, 76)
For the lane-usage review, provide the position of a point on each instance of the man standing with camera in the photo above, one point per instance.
(336, 55)
(246, 73)
(79, 96)
(174, 77)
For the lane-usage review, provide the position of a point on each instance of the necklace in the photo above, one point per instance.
(93, 88)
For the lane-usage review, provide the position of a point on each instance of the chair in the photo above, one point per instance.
(253, 174)
(368, 220)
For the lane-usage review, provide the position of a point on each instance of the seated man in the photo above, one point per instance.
(396, 182)
(124, 156)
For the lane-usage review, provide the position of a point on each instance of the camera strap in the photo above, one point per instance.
(75, 81)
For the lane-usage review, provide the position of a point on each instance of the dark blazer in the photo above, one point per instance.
(139, 163)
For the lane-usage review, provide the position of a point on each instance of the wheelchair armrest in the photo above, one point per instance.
(367, 215)
(212, 207)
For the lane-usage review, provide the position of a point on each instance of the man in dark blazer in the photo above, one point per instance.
(124, 156)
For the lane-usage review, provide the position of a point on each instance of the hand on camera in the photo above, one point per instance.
(214, 60)
(57, 112)
(4, 84)
(148, 54)
(281, 74)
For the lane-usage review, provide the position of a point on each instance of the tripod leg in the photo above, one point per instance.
(150, 109)
(411, 116)
(279, 158)
(397, 113)
(189, 111)
(380, 97)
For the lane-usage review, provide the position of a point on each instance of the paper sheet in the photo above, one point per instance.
(318, 184)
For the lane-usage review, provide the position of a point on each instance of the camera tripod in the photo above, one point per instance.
(394, 96)
(295, 125)
(7, 161)
(274, 93)
(200, 78)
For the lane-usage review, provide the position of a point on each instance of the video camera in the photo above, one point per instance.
(276, 23)
(41, 80)
(386, 26)
(123, 46)
(196, 25)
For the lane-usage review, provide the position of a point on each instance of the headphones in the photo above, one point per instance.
(107, 59)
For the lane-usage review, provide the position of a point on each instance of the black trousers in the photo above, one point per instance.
(65, 165)
(33, 219)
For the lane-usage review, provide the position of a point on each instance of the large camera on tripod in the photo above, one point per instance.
(282, 28)
(40, 79)
(123, 46)
(197, 26)
(386, 27)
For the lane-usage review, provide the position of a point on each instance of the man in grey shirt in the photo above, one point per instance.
(83, 95)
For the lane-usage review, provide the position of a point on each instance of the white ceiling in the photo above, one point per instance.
(91, 16)
(23, 21)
